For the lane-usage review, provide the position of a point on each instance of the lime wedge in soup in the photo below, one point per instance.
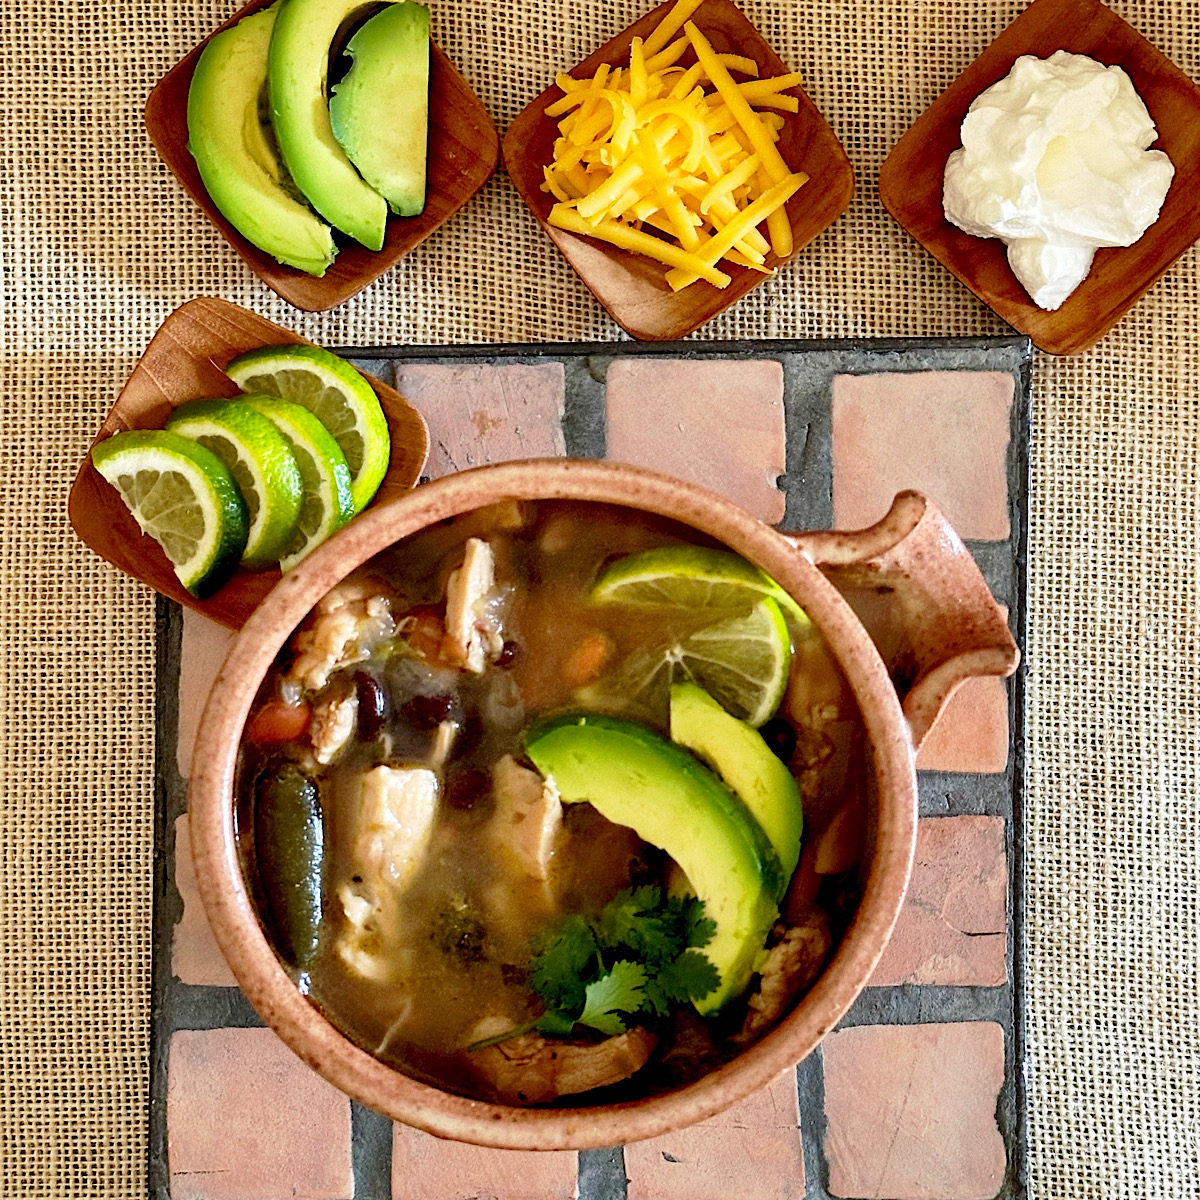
(691, 577)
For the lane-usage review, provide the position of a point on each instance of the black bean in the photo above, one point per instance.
(372, 706)
(508, 655)
(466, 789)
(427, 712)
(780, 736)
(470, 736)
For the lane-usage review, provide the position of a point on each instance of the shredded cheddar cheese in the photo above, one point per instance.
(658, 148)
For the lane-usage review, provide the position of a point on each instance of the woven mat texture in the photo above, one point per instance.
(98, 244)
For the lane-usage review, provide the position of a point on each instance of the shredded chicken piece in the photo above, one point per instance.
(473, 633)
(791, 967)
(394, 823)
(531, 1069)
(529, 816)
(332, 724)
(395, 818)
(352, 619)
(443, 743)
(359, 946)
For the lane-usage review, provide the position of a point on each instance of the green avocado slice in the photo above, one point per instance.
(297, 78)
(380, 111)
(637, 778)
(738, 754)
(234, 152)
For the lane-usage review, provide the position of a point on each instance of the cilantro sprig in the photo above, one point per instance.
(637, 955)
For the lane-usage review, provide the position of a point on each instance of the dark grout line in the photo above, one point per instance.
(810, 1089)
(926, 1003)
(371, 1145)
(947, 794)
(199, 1007)
(1016, 348)
(602, 1174)
(168, 788)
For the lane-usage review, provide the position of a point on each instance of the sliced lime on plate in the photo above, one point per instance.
(336, 394)
(184, 497)
(326, 504)
(694, 577)
(261, 463)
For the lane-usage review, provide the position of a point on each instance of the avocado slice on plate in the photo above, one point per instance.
(235, 154)
(636, 777)
(380, 111)
(297, 77)
(737, 752)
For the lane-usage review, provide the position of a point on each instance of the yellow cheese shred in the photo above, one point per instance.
(646, 244)
(670, 25)
(714, 249)
(682, 150)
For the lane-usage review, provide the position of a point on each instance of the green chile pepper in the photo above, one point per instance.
(289, 838)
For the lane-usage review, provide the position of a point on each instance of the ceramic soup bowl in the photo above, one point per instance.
(933, 624)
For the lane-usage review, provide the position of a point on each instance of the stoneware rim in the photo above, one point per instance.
(354, 1071)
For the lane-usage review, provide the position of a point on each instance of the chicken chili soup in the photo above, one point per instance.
(554, 799)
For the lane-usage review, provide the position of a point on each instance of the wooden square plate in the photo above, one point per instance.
(910, 181)
(463, 151)
(186, 360)
(633, 289)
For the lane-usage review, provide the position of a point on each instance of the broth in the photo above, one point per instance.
(420, 955)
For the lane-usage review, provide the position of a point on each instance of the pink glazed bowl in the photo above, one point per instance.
(933, 613)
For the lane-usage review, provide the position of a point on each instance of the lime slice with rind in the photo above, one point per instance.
(261, 463)
(326, 503)
(184, 497)
(693, 577)
(742, 661)
(336, 394)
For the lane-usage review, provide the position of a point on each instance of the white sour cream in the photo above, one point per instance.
(1054, 161)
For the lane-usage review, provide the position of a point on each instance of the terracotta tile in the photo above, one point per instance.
(426, 1168)
(720, 424)
(952, 928)
(942, 432)
(202, 653)
(479, 415)
(911, 1111)
(247, 1120)
(971, 732)
(195, 957)
(753, 1150)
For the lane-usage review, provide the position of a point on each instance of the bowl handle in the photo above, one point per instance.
(924, 602)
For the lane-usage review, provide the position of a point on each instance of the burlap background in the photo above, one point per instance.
(98, 244)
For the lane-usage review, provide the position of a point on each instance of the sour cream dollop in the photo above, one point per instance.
(1055, 162)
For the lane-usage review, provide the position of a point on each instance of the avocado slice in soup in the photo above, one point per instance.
(737, 752)
(635, 777)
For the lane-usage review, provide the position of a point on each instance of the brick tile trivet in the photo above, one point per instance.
(916, 1095)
